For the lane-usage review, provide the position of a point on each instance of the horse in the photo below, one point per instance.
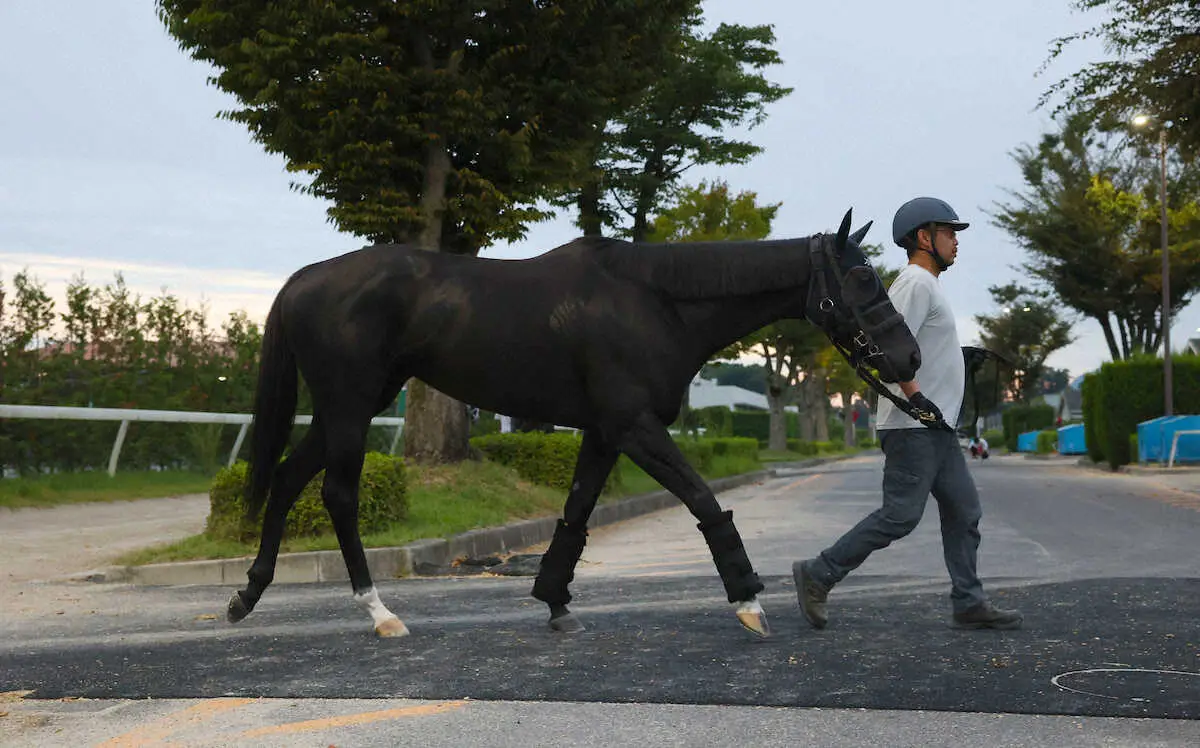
(599, 334)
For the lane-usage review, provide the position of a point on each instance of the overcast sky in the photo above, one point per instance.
(111, 158)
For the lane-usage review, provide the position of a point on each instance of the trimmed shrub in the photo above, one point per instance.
(1133, 447)
(1093, 421)
(382, 501)
(716, 420)
(1132, 392)
(994, 438)
(1047, 442)
(735, 446)
(538, 457)
(756, 424)
(1022, 418)
(802, 447)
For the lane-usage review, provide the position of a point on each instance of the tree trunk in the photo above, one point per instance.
(777, 400)
(1108, 336)
(849, 437)
(436, 426)
(818, 404)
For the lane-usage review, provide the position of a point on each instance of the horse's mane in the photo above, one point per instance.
(701, 270)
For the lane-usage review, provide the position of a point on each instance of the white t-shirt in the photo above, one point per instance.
(918, 296)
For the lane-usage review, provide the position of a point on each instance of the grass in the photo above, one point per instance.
(76, 488)
(443, 501)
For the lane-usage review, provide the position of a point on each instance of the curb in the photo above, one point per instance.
(400, 561)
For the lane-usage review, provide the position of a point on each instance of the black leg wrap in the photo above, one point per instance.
(558, 564)
(741, 583)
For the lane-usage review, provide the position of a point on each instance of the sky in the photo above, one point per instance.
(112, 158)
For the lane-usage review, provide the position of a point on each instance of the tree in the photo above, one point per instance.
(439, 123)
(709, 212)
(1156, 46)
(712, 83)
(1089, 219)
(1027, 329)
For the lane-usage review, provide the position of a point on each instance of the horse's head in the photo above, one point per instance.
(847, 300)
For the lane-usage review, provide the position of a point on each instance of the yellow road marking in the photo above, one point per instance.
(155, 733)
(348, 720)
(794, 484)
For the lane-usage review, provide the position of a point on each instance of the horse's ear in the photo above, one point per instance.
(861, 234)
(844, 230)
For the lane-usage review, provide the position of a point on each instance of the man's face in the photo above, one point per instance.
(944, 243)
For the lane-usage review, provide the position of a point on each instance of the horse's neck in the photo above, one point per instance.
(716, 323)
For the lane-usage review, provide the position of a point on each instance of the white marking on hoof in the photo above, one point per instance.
(752, 617)
(387, 623)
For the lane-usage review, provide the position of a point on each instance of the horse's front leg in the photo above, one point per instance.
(558, 562)
(650, 446)
(339, 493)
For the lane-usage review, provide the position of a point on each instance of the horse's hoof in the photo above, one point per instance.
(752, 617)
(238, 609)
(391, 628)
(566, 624)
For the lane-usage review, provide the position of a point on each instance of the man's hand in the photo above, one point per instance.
(927, 411)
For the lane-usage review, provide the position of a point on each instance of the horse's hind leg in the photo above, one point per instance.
(596, 460)
(345, 449)
(290, 478)
(650, 446)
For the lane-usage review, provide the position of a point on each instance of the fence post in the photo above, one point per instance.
(237, 443)
(396, 440)
(116, 450)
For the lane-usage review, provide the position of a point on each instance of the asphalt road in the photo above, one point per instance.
(1105, 567)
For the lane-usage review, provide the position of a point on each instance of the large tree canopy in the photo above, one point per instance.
(1027, 328)
(428, 114)
(715, 82)
(1156, 50)
(1089, 218)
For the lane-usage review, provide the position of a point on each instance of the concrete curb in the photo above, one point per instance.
(400, 561)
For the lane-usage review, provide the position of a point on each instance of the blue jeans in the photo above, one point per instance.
(917, 462)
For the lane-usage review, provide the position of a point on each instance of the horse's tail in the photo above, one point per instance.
(274, 408)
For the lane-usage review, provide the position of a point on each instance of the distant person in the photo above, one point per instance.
(918, 460)
(973, 447)
(983, 448)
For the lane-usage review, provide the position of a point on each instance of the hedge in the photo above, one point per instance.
(382, 501)
(1047, 442)
(549, 459)
(1022, 418)
(1092, 390)
(756, 424)
(1131, 392)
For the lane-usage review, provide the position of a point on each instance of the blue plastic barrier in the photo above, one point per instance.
(1027, 442)
(1188, 448)
(1150, 439)
(1071, 440)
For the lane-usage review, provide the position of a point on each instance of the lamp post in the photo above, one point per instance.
(1141, 120)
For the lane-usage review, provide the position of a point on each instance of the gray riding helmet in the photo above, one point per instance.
(922, 211)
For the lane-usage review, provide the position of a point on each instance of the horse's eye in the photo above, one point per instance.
(861, 285)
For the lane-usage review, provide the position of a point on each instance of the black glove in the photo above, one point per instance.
(927, 412)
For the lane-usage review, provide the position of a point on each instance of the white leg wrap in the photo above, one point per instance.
(369, 601)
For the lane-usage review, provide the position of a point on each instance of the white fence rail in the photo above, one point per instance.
(128, 415)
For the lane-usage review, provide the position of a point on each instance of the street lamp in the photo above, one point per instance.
(1141, 120)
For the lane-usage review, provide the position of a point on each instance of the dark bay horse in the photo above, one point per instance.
(598, 334)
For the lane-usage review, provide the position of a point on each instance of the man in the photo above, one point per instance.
(919, 460)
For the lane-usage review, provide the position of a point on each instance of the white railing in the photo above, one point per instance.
(1175, 443)
(127, 415)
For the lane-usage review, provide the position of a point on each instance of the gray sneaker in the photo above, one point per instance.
(984, 616)
(811, 595)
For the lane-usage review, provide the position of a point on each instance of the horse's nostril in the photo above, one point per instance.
(916, 360)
